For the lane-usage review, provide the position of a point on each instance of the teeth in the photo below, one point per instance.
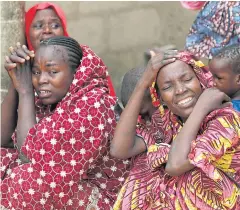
(185, 101)
(43, 91)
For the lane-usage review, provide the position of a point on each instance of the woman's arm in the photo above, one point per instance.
(21, 77)
(125, 144)
(8, 116)
(178, 162)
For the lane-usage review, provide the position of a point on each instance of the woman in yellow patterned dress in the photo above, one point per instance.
(195, 163)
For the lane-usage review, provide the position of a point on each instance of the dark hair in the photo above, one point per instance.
(129, 82)
(232, 54)
(71, 45)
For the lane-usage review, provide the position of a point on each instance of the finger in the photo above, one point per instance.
(27, 51)
(227, 98)
(16, 59)
(10, 66)
(226, 104)
(21, 53)
(152, 53)
(167, 61)
(11, 49)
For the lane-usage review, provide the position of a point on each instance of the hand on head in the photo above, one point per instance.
(18, 67)
(156, 62)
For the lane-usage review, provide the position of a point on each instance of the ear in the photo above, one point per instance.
(238, 79)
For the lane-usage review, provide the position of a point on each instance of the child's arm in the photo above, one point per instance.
(178, 162)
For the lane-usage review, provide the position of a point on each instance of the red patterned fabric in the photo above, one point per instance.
(29, 16)
(70, 165)
(212, 184)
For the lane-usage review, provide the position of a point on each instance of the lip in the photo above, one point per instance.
(186, 104)
(45, 37)
(44, 94)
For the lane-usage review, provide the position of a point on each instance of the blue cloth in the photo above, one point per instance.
(217, 25)
(236, 104)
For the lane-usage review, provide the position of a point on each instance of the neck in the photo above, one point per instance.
(236, 96)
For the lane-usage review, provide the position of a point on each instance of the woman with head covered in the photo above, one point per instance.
(194, 163)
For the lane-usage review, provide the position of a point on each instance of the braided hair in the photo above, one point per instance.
(232, 55)
(129, 82)
(71, 45)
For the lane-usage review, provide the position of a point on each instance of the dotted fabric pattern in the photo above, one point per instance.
(70, 166)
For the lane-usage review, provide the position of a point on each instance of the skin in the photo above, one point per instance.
(125, 144)
(45, 24)
(147, 109)
(177, 85)
(51, 73)
(224, 78)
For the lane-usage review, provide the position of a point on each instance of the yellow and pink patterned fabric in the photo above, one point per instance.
(212, 184)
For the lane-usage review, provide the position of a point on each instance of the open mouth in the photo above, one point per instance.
(44, 94)
(186, 102)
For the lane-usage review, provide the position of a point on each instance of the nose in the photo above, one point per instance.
(47, 29)
(43, 79)
(180, 88)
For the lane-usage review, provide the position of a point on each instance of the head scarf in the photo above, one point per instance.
(217, 25)
(30, 14)
(61, 143)
(167, 122)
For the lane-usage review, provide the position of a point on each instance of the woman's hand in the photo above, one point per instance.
(19, 69)
(212, 99)
(156, 62)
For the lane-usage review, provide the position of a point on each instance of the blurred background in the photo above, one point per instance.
(119, 32)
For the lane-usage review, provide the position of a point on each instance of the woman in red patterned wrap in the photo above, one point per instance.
(42, 21)
(61, 160)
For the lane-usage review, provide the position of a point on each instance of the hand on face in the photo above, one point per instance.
(156, 62)
(211, 99)
(18, 66)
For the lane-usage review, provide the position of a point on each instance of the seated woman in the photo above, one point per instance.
(42, 21)
(196, 164)
(63, 134)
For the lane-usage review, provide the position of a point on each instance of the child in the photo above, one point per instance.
(225, 67)
(129, 82)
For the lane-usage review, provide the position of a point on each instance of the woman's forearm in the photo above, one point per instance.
(125, 144)
(8, 116)
(26, 116)
(178, 162)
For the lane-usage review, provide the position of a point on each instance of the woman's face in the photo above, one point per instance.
(45, 24)
(179, 88)
(51, 74)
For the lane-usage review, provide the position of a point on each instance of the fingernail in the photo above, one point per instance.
(24, 46)
(22, 60)
(27, 57)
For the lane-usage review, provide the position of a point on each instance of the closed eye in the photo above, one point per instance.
(166, 88)
(188, 79)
